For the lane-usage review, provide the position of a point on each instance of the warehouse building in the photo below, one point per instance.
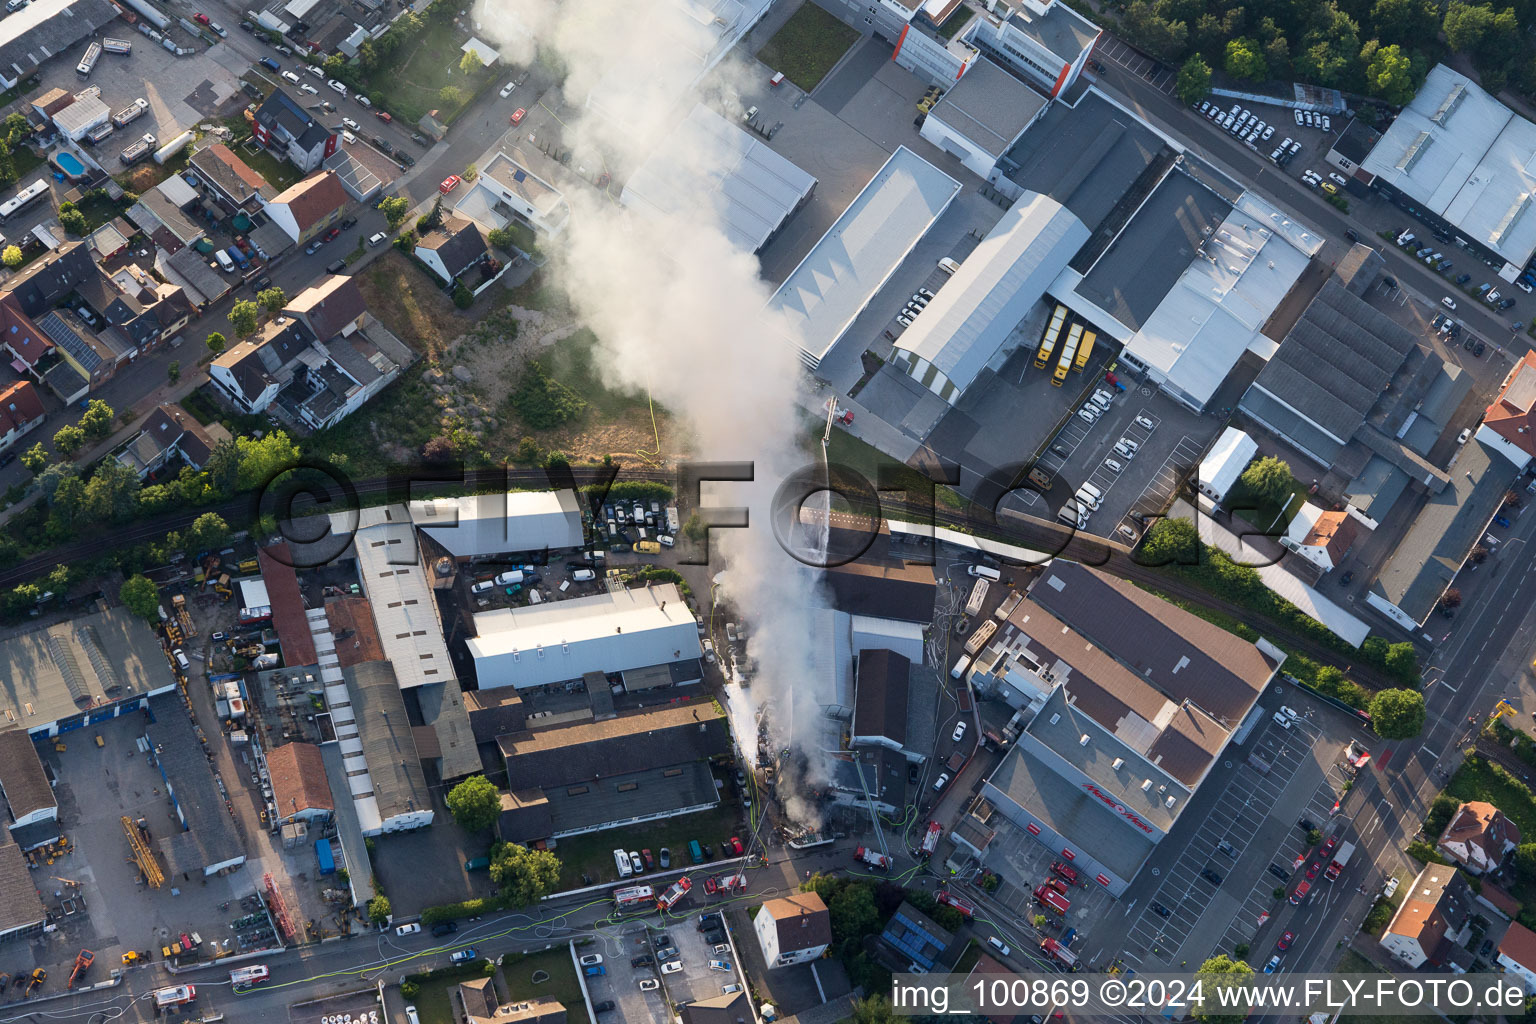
(618, 632)
(755, 190)
(45, 28)
(89, 669)
(21, 908)
(982, 116)
(1125, 703)
(1459, 160)
(28, 794)
(531, 523)
(208, 842)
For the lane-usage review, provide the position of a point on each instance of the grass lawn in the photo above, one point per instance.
(98, 210)
(410, 83)
(408, 304)
(808, 45)
(1480, 779)
(518, 973)
(868, 460)
(957, 21)
(279, 173)
(433, 1001)
(592, 855)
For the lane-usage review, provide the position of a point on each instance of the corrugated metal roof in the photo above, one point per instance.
(489, 524)
(401, 598)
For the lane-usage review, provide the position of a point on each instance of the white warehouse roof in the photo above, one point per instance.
(613, 632)
(1465, 157)
(977, 309)
(708, 159)
(860, 251)
(1225, 463)
(489, 524)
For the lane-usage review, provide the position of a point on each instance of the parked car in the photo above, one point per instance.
(665, 856)
(462, 956)
(671, 967)
(591, 958)
(1285, 941)
(959, 732)
(506, 90)
(1211, 876)
(452, 182)
(517, 116)
(408, 929)
(1159, 909)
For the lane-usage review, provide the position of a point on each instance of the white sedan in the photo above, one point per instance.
(348, 122)
(408, 929)
(337, 86)
(959, 732)
(671, 967)
(591, 960)
(506, 90)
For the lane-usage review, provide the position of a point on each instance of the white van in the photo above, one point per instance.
(534, 597)
(621, 861)
(986, 572)
(583, 575)
(1088, 488)
(949, 266)
(181, 660)
(225, 263)
(665, 541)
(959, 669)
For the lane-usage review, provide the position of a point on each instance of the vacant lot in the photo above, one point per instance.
(593, 855)
(405, 301)
(518, 974)
(1481, 779)
(411, 81)
(808, 45)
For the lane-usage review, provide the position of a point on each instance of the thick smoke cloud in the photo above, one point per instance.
(680, 310)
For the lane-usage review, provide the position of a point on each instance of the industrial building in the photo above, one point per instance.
(45, 28)
(619, 632)
(1224, 464)
(21, 908)
(32, 812)
(709, 158)
(1123, 703)
(208, 842)
(532, 523)
(61, 677)
(299, 789)
(1459, 160)
(636, 766)
(819, 300)
(982, 116)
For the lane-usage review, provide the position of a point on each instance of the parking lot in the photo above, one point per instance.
(1028, 864)
(621, 984)
(696, 952)
(1241, 819)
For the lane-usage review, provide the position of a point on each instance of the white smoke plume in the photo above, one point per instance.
(679, 309)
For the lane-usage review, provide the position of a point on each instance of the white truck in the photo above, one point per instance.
(138, 151)
(132, 112)
(1340, 861)
(121, 47)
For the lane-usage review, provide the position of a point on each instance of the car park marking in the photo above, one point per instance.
(1136, 62)
(1165, 483)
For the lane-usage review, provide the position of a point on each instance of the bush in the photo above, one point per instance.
(542, 402)
(1378, 918)
(1440, 814)
(1425, 853)
(453, 911)
(634, 490)
(462, 296)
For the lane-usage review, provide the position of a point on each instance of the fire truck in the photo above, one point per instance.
(634, 899)
(960, 903)
(1061, 868)
(176, 995)
(245, 977)
(931, 839)
(1049, 897)
(678, 889)
(1050, 947)
(874, 858)
(1340, 862)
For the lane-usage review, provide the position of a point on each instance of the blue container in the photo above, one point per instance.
(323, 854)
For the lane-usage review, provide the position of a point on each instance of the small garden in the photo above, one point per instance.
(811, 42)
(419, 66)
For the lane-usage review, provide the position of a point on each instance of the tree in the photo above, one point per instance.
(11, 256)
(873, 1009)
(475, 803)
(209, 530)
(216, 343)
(1194, 81)
(139, 596)
(1525, 859)
(379, 909)
(244, 318)
(502, 238)
(524, 876)
(463, 298)
(470, 63)
(1170, 542)
(1405, 20)
(1148, 28)
(66, 506)
(113, 492)
(35, 458)
(72, 221)
(173, 371)
(1391, 75)
(68, 440)
(262, 459)
(1397, 714)
(1225, 973)
(1330, 51)
(471, 172)
(272, 299)
(1269, 479)
(395, 210)
(1466, 24)
(451, 95)
(1245, 59)
(224, 467)
(96, 421)
(1402, 660)
(1451, 598)
(853, 912)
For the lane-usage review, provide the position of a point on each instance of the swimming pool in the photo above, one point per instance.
(69, 164)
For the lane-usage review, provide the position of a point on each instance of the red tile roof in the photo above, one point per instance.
(1519, 944)
(288, 616)
(19, 334)
(362, 643)
(313, 199)
(1334, 532)
(20, 404)
(1513, 414)
(242, 170)
(298, 779)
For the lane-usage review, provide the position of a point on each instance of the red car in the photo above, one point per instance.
(331, 234)
(650, 865)
(1285, 941)
(517, 115)
(1312, 871)
(1327, 850)
(383, 115)
(449, 184)
(734, 845)
(200, 18)
(710, 886)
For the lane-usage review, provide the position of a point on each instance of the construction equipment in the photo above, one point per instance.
(1502, 708)
(83, 961)
(133, 956)
(38, 977)
(143, 856)
(179, 606)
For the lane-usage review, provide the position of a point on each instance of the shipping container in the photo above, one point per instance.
(323, 854)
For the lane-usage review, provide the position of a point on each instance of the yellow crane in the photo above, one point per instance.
(143, 856)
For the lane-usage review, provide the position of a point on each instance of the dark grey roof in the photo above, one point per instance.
(442, 710)
(1335, 363)
(1448, 387)
(525, 817)
(633, 741)
(1145, 260)
(494, 713)
(1182, 655)
(1450, 523)
(190, 779)
(39, 833)
(1376, 488)
(880, 701)
(1356, 141)
(399, 785)
(877, 771)
(612, 798)
(1088, 157)
(54, 276)
(23, 47)
(989, 106)
(458, 243)
(20, 906)
(22, 778)
(883, 590)
(1359, 268)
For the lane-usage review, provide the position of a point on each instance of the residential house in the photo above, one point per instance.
(1320, 537)
(231, 180)
(793, 929)
(1517, 955)
(335, 378)
(20, 337)
(50, 103)
(142, 311)
(110, 240)
(918, 945)
(95, 357)
(506, 189)
(42, 283)
(300, 791)
(451, 249)
(1436, 917)
(726, 1008)
(332, 308)
(477, 999)
(21, 412)
(170, 432)
(186, 267)
(283, 126)
(161, 219)
(307, 208)
(1479, 837)
(1509, 424)
(253, 371)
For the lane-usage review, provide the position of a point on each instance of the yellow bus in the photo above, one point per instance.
(1068, 350)
(1085, 350)
(1048, 342)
